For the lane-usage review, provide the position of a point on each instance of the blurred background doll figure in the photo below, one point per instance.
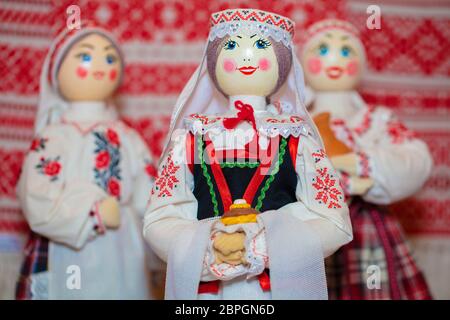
(264, 173)
(379, 161)
(84, 187)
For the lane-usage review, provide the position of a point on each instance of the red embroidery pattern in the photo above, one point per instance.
(344, 182)
(102, 159)
(205, 119)
(342, 132)
(398, 132)
(114, 187)
(38, 144)
(318, 155)
(366, 122)
(167, 180)
(364, 165)
(292, 119)
(253, 15)
(107, 161)
(49, 167)
(327, 193)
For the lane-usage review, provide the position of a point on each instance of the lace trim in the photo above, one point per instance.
(250, 28)
(265, 127)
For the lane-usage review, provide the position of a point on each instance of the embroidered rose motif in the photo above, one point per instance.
(167, 180)
(107, 161)
(102, 160)
(52, 168)
(49, 167)
(113, 137)
(113, 187)
(38, 144)
(327, 192)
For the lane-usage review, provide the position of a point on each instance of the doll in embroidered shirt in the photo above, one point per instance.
(83, 187)
(231, 149)
(380, 161)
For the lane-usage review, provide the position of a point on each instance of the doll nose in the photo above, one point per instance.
(248, 55)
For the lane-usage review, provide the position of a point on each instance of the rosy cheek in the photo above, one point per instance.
(264, 64)
(229, 65)
(82, 72)
(352, 68)
(314, 65)
(113, 74)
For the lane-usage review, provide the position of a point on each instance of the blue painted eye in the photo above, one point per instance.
(110, 59)
(323, 50)
(262, 44)
(86, 57)
(345, 51)
(230, 45)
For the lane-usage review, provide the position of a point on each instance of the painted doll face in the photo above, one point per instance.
(247, 65)
(333, 62)
(90, 70)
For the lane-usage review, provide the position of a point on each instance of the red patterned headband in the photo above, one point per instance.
(330, 24)
(263, 18)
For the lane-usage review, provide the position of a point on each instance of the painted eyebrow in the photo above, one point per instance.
(344, 37)
(86, 45)
(239, 37)
(109, 47)
(253, 36)
(329, 35)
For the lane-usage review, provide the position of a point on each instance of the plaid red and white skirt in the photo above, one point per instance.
(378, 263)
(35, 262)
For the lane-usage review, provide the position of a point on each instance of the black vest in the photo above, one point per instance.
(272, 193)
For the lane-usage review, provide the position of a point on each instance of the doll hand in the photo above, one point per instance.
(110, 213)
(359, 185)
(230, 248)
(346, 162)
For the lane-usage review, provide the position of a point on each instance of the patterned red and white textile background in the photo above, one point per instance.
(409, 69)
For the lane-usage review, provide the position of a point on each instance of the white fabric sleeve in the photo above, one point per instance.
(172, 206)
(320, 199)
(55, 207)
(143, 172)
(399, 163)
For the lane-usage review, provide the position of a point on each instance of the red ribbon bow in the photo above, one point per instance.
(245, 113)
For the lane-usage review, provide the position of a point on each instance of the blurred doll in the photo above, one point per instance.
(379, 160)
(264, 173)
(84, 187)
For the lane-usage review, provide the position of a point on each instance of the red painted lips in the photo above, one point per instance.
(98, 75)
(247, 70)
(334, 72)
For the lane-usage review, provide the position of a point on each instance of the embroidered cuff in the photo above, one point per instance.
(363, 166)
(94, 214)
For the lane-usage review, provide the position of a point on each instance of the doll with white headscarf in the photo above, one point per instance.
(246, 204)
(379, 161)
(84, 186)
